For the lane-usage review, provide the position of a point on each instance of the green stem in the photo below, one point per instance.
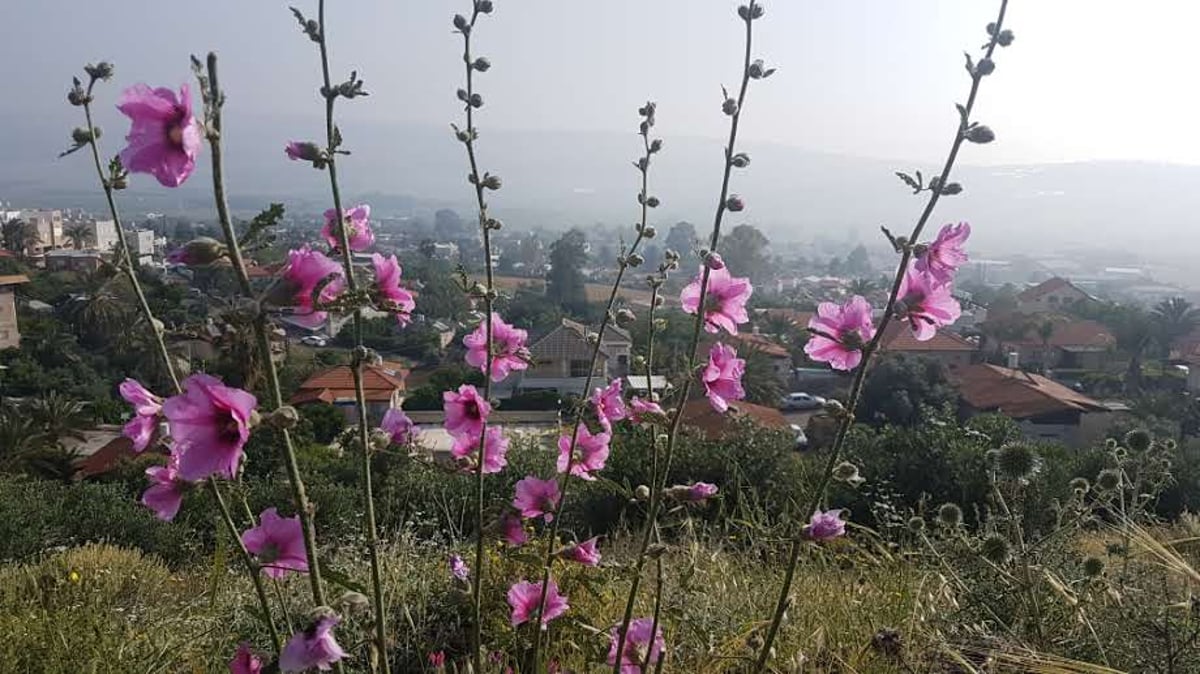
(870, 349)
(248, 560)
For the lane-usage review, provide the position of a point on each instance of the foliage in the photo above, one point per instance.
(900, 389)
(564, 282)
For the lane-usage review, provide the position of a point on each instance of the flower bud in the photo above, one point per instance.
(198, 252)
(729, 107)
(483, 6)
(1005, 38)
(639, 362)
(950, 515)
(82, 136)
(652, 202)
(491, 182)
(735, 204)
(482, 64)
(626, 317)
(1138, 439)
(635, 259)
(649, 231)
(740, 160)
(593, 338)
(642, 493)
(658, 301)
(1093, 566)
(980, 134)
(77, 96)
(476, 101)
(478, 290)
(986, 66)
(352, 602)
(284, 417)
(748, 14)
(951, 189)
(461, 23)
(916, 524)
(1108, 479)
(101, 71)
(756, 69)
(845, 472)
(493, 223)
(995, 549)
(714, 261)
(656, 145)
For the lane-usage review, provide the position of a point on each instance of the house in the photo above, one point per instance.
(98, 235)
(10, 334)
(49, 226)
(560, 359)
(383, 386)
(747, 343)
(65, 259)
(1055, 294)
(947, 348)
(1043, 409)
(1051, 341)
(699, 414)
(141, 244)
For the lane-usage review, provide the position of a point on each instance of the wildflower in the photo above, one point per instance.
(1079, 485)
(840, 333)
(458, 568)
(1109, 479)
(1093, 566)
(584, 553)
(524, 598)
(916, 524)
(245, 661)
(358, 228)
(725, 299)
(1138, 439)
(825, 526)
(278, 543)
(950, 515)
(512, 530)
(166, 489)
(536, 498)
(995, 549)
(508, 348)
(466, 411)
(945, 255)
(723, 377)
(495, 450)
(1017, 461)
(164, 137)
(313, 648)
(396, 297)
(437, 660)
(928, 304)
(643, 411)
(610, 405)
(146, 408)
(306, 270)
(398, 426)
(589, 454)
(638, 640)
(210, 424)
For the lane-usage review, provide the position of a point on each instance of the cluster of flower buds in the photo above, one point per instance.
(472, 100)
(489, 181)
(758, 71)
(77, 96)
(1004, 38)
(308, 26)
(100, 71)
(751, 12)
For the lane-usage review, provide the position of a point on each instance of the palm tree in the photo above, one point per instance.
(1134, 330)
(862, 286)
(1045, 332)
(761, 384)
(19, 436)
(78, 234)
(20, 236)
(58, 416)
(1173, 318)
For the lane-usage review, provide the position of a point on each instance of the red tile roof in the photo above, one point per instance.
(1068, 332)
(761, 343)
(1018, 394)
(699, 413)
(104, 459)
(337, 383)
(898, 338)
(1046, 287)
(796, 316)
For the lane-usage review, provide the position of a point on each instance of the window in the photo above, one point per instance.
(579, 368)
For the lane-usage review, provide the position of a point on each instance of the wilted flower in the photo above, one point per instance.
(209, 424)
(723, 377)
(165, 494)
(584, 553)
(396, 297)
(164, 137)
(536, 497)
(278, 543)
(313, 648)
(146, 409)
(645, 411)
(840, 332)
(945, 255)
(524, 598)
(198, 252)
(638, 644)
(358, 228)
(725, 299)
(825, 526)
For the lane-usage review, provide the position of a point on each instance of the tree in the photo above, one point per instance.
(858, 262)
(1174, 317)
(1134, 330)
(78, 234)
(564, 282)
(1045, 332)
(759, 380)
(449, 225)
(899, 389)
(681, 238)
(19, 236)
(745, 252)
(862, 286)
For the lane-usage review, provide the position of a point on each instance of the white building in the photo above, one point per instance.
(102, 235)
(141, 244)
(49, 226)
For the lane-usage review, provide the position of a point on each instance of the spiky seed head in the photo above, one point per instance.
(950, 515)
(995, 549)
(1138, 439)
(916, 524)
(1108, 479)
(1016, 461)
(1080, 485)
(1093, 566)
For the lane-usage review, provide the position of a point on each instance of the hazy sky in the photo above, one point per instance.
(1085, 79)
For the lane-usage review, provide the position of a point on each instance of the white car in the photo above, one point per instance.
(313, 340)
(801, 401)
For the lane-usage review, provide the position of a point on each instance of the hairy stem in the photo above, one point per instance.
(251, 566)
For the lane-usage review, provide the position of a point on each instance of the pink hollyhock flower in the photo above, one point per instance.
(314, 648)
(928, 305)
(584, 553)
(245, 661)
(537, 498)
(358, 228)
(295, 150)
(278, 543)
(946, 254)
(508, 348)
(387, 281)
(524, 598)
(701, 491)
(495, 450)
(825, 526)
(437, 660)
(723, 377)
(210, 424)
(146, 408)
(458, 568)
(637, 641)
(725, 300)
(164, 137)
(512, 530)
(841, 332)
(306, 270)
(590, 455)
(645, 411)
(165, 494)
(466, 411)
(398, 426)
(610, 406)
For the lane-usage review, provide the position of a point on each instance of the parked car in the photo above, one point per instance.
(801, 401)
(314, 340)
(801, 438)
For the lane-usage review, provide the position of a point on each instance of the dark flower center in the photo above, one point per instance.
(231, 430)
(270, 552)
(471, 408)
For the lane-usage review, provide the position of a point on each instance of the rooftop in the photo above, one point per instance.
(699, 414)
(1018, 394)
(13, 279)
(335, 384)
(898, 338)
(1048, 286)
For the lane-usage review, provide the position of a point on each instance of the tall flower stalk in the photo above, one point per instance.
(907, 247)
(350, 89)
(115, 179)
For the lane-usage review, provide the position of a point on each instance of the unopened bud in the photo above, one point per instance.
(593, 338)
(626, 317)
(735, 204)
(478, 290)
(255, 419)
(483, 6)
(649, 231)
(656, 145)
(461, 23)
(284, 417)
(951, 189)
(1005, 38)
(353, 603)
(482, 64)
(748, 14)
(101, 71)
(658, 301)
(729, 107)
(476, 101)
(642, 493)
(159, 327)
(493, 223)
(652, 202)
(82, 136)
(198, 252)
(714, 261)
(639, 362)
(491, 182)
(980, 134)
(740, 160)
(986, 66)
(635, 259)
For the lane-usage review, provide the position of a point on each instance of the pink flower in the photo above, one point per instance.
(314, 648)
(512, 530)
(825, 526)
(725, 299)
(723, 377)
(589, 456)
(245, 661)
(508, 348)
(437, 660)
(398, 426)
(146, 408)
(307, 269)
(524, 598)
(210, 424)
(946, 254)
(645, 411)
(928, 304)
(458, 568)
(164, 137)
(637, 641)
(840, 333)
(358, 228)
(610, 406)
(537, 498)
(278, 543)
(584, 553)
(387, 281)
(165, 494)
(466, 411)
(295, 150)
(495, 450)
(701, 491)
